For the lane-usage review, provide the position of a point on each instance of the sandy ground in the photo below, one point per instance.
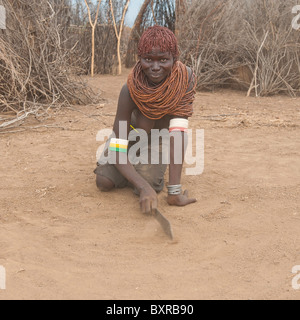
(60, 238)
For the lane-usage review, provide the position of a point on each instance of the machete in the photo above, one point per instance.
(164, 223)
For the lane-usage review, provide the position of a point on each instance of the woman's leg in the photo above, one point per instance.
(108, 178)
(104, 184)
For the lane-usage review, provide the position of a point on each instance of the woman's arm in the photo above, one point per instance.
(148, 197)
(175, 169)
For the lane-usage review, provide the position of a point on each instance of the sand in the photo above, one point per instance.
(61, 238)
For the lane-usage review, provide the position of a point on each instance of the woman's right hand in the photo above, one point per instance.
(148, 200)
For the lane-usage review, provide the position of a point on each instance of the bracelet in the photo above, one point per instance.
(174, 189)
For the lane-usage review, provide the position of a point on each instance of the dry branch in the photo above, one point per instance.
(93, 25)
(254, 80)
(118, 33)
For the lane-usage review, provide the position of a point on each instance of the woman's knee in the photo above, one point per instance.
(104, 184)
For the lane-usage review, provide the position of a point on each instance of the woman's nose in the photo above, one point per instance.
(155, 66)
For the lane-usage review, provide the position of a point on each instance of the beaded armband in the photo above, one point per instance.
(118, 145)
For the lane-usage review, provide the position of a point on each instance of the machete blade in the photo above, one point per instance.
(164, 223)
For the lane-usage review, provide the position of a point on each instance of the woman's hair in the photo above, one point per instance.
(161, 37)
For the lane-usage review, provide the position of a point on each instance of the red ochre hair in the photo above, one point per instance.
(161, 37)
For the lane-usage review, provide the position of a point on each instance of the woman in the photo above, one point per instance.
(158, 95)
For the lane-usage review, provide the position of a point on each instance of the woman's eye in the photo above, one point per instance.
(148, 59)
(163, 60)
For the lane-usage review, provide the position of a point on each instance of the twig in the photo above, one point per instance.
(222, 115)
(256, 68)
(42, 126)
(85, 114)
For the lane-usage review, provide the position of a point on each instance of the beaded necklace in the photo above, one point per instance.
(174, 96)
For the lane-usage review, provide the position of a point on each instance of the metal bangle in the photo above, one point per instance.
(174, 189)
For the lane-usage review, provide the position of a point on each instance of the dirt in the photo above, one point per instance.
(61, 238)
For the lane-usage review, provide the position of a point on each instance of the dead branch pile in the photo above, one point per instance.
(248, 44)
(35, 73)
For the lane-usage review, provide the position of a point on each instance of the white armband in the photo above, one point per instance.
(179, 124)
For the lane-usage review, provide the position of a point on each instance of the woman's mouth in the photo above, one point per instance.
(155, 76)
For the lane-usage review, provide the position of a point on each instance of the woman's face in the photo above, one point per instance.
(157, 65)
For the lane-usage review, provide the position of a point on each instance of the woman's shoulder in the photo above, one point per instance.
(191, 76)
(125, 89)
(125, 98)
(189, 70)
(125, 93)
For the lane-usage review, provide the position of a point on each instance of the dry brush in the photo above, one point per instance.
(248, 44)
(35, 70)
